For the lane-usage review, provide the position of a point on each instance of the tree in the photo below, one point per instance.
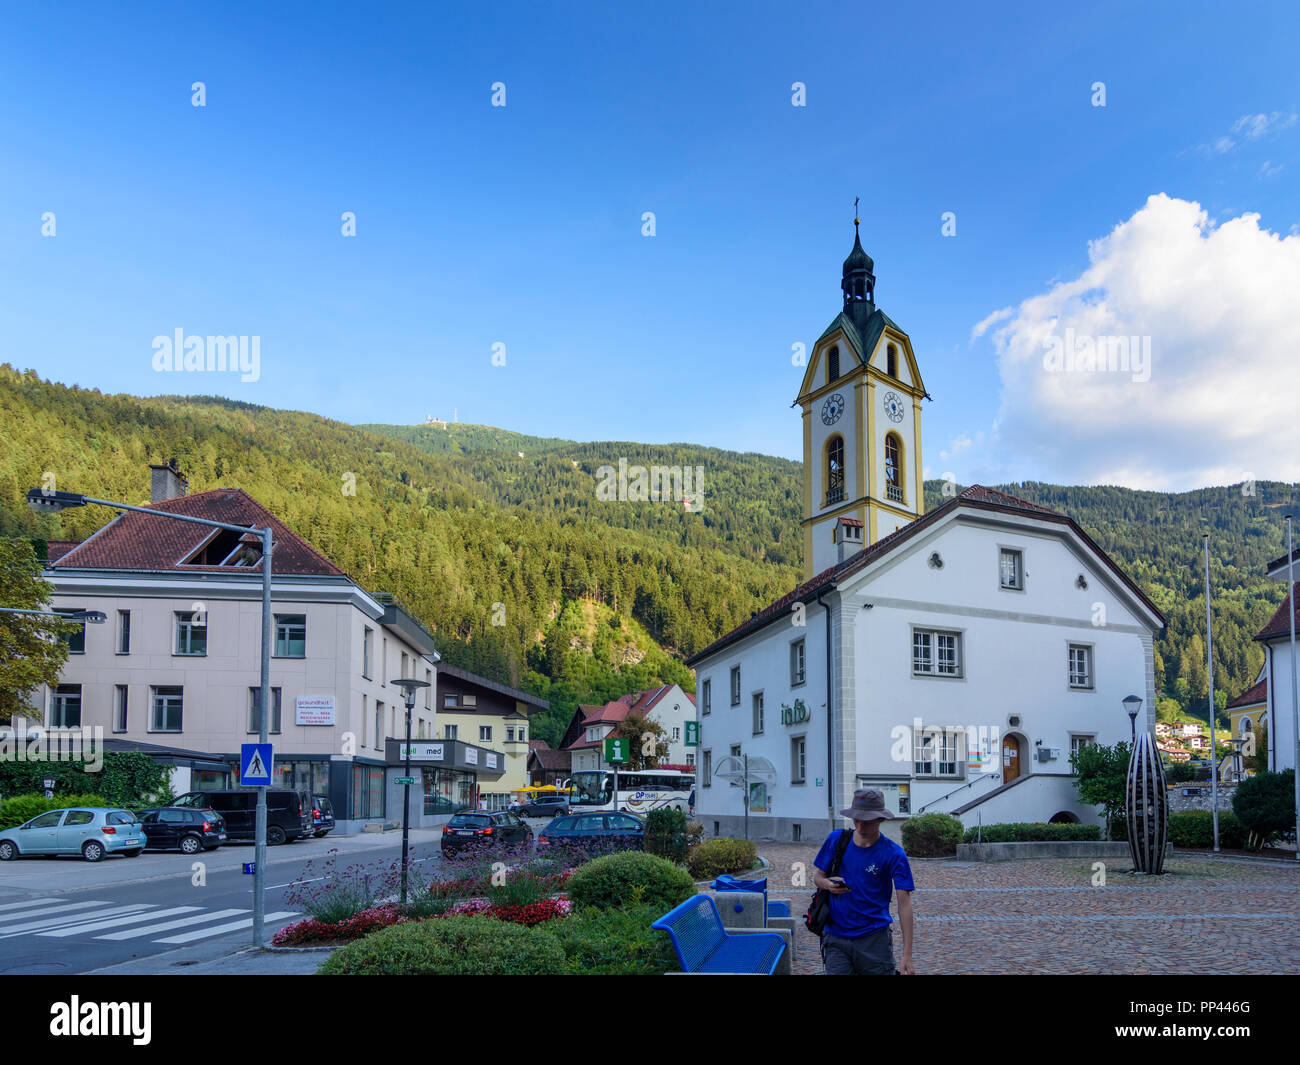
(644, 736)
(1265, 805)
(1101, 775)
(31, 652)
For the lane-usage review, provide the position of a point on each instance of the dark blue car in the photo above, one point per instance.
(593, 833)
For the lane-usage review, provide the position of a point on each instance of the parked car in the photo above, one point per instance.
(594, 833)
(322, 815)
(91, 831)
(478, 830)
(189, 831)
(544, 806)
(288, 813)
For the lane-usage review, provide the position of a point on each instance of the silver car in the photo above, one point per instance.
(91, 831)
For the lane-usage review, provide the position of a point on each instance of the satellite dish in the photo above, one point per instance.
(754, 769)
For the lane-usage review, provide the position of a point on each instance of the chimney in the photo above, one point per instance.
(848, 537)
(167, 483)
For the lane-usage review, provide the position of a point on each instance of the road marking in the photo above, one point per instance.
(137, 932)
(28, 904)
(61, 906)
(234, 926)
(117, 922)
(68, 919)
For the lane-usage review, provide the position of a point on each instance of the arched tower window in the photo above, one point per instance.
(893, 468)
(891, 361)
(833, 363)
(834, 470)
(1247, 726)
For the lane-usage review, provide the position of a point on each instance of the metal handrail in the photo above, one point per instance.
(968, 784)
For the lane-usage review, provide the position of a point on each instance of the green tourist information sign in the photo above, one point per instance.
(616, 749)
(692, 734)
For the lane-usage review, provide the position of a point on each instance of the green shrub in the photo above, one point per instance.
(665, 834)
(1265, 805)
(630, 877)
(20, 808)
(931, 835)
(615, 942)
(451, 946)
(1195, 829)
(694, 833)
(714, 857)
(1033, 832)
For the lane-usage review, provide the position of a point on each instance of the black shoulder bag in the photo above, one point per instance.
(819, 910)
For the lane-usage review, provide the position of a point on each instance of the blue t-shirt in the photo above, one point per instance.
(871, 873)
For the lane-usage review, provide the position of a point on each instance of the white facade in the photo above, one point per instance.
(671, 710)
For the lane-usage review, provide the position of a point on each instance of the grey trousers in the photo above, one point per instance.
(869, 955)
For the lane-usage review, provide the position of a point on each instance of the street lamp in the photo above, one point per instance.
(89, 617)
(409, 686)
(1131, 707)
(45, 501)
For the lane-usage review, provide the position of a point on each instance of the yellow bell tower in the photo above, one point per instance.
(861, 401)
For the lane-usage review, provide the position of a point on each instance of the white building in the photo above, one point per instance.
(953, 659)
(1276, 638)
(667, 706)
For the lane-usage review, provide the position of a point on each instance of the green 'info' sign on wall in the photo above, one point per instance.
(616, 748)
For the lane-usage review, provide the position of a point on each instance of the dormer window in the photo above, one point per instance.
(226, 547)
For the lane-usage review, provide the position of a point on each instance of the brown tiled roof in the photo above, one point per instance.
(1280, 623)
(538, 745)
(545, 758)
(58, 548)
(616, 710)
(976, 496)
(137, 542)
(1251, 696)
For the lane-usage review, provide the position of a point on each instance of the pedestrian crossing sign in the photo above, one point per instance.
(255, 761)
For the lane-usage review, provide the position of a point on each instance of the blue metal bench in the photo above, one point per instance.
(704, 946)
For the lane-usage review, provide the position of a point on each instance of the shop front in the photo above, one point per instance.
(448, 775)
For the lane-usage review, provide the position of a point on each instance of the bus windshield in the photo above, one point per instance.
(591, 788)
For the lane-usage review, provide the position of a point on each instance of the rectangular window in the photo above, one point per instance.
(1078, 743)
(383, 661)
(1011, 569)
(405, 658)
(758, 713)
(798, 759)
(255, 719)
(735, 685)
(1081, 666)
(191, 633)
(706, 771)
(485, 733)
(367, 648)
(119, 708)
(469, 700)
(65, 707)
(707, 698)
(735, 753)
(510, 735)
(798, 672)
(166, 710)
(75, 638)
(379, 725)
(449, 732)
(124, 632)
(936, 654)
(428, 691)
(677, 733)
(935, 752)
(290, 635)
(449, 702)
(690, 759)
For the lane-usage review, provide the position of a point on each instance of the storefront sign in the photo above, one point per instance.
(471, 755)
(313, 710)
(491, 760)
(420, 752)
(795, 715)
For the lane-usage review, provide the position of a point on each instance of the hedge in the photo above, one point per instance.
(931, 836)
(617, 942)
(1033, 832)
(1195, 829)
(453, 946)
(714, 857)
(665, 833)
(630, 877)
(22, 808)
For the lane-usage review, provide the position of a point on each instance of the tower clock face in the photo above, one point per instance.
(893, 406)
(832, 409)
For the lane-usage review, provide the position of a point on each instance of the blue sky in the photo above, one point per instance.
(521, 225)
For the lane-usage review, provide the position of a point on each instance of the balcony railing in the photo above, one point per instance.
(894, 493)
(835, 495)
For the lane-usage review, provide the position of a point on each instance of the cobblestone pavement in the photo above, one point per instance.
(1205, 915)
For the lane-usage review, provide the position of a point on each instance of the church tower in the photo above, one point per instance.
(861, 400)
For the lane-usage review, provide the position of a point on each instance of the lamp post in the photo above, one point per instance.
(90, 617)
(1295, 702)
(1132, 705)
(409, 686)
(44, 501)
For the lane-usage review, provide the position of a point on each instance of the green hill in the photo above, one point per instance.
(526, 574)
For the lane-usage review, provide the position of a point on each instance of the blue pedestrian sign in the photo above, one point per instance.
(255, 761)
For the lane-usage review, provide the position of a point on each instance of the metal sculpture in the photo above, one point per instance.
(1146, 807)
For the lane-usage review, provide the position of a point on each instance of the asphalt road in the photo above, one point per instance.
(65, 915)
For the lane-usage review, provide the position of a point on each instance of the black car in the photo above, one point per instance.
(544, 806)
(288, 813)
(322, 815)
(478, 830)
(189, 831)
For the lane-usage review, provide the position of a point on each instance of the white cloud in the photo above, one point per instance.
(981, 327)
(1251, 128)
(1218, 308)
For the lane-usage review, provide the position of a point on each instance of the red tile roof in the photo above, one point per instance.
(58, 548)
(1280, 623)
(1251, 696)
(616, 710)
(977, 497)
(137, 542)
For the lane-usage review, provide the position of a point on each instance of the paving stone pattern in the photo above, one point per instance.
(1205, 915)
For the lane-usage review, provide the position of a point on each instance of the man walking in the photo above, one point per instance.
(858, 939)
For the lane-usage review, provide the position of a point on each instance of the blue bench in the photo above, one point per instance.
(704, 946)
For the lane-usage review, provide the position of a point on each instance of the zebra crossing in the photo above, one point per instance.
(58, 918)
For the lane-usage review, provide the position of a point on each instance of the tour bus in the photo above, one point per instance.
(639, 790)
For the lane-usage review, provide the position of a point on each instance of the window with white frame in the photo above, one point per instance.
(367, 651)
(1011, 570)
(191, 633)
(798, 665)
(167, 710)
(758, 713)
(124, 632)
(485, 733)
(290, 635)
(735, 753)
(690, 759)
(255, 718)
(706, 699)
(706, 770)
(510, 734)
(735, 685)
(677, 733)
(798, 759)
(1079, 742)
(379, 725)
(119, 708)
(936, 752)
(65, 706)
(936, 653)
(449, 731)
(1081, 666)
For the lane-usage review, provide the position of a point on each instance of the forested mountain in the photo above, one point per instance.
(527, 575)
